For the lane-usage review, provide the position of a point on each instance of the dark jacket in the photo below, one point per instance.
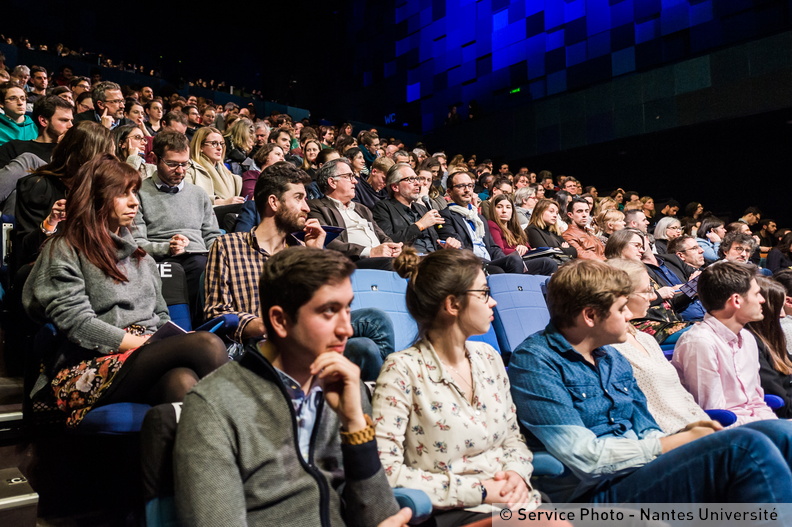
(774, 382)
(365, 194)
(397, 223)
(326, 212)
(455, 226)
(87, 115)
(543, 238)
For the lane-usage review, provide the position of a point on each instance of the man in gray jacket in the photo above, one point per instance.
(270, 440)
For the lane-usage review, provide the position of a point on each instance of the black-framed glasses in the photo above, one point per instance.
(411, 179)
(115, 101)
(486, 292)
(461, 186)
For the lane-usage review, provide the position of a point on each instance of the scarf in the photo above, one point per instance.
(472, 216)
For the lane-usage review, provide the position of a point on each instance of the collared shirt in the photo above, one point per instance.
(306, 408)
(159, 183)
(721, 370)
(593, 418)
(359, 230)
(233, 270)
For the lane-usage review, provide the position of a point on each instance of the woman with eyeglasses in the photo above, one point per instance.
(207, 152)
(445, 419)
(131, 146)
(670, 404)
(666, 230)
(661, 320)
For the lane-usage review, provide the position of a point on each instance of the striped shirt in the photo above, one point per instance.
(232, 276)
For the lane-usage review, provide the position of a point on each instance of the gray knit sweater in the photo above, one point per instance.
(237, 462)
(161, 215)
(88, 306)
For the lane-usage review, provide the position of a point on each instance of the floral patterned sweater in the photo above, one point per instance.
(431, 438)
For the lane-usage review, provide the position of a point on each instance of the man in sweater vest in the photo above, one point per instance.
(176, 220)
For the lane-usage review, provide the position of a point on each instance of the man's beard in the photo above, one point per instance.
(289, 222)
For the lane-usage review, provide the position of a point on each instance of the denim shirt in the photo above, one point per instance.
(594, 419)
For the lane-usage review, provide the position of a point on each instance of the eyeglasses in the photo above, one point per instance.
(738, 249)
(349, 175)
(214, 144)
(462, 186)
(411, 179)
(693, 248)
(649, 292)
(115, 101)
(173, 165)
(141, 138)
(486, 292)
(15, 98)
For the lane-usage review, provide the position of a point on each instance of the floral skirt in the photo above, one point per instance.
(78, 388)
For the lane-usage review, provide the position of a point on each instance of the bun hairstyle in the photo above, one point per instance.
(433, 278)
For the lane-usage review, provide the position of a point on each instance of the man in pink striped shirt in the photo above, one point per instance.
(718, 360)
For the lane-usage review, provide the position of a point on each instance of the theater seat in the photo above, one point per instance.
(385, 290)
(521, 309)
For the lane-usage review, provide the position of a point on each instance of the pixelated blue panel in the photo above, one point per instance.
(647, 31)
(516, 12)
(533, 7)
(700, 13)
(576, 53)
(534, 24)
(554, 14)
(674, 19)
(622, 13)
(389, 69)
(537, 89)
(502, 58)
(623, 61)
(413, 92)
(597, 16)
(646, 9)
(622, 37)
(574, 9)
(556, 82)
(500, 20)
(599, 44)
(575, 31)
(508, 35)
(555, 40)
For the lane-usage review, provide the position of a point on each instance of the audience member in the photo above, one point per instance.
(466, 225)
(717, 360)
(543, 230)
(588, 246)
(709, 236)
(184, 237)
(780, 256)
(614, 448)
(283, 433)
(102, 291)
(666, 229)
(207, 171)
(361, 240)
(108, 101)
(14, 124)
(505, 227)
(479, 457)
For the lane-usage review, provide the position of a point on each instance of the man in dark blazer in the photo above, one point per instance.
(463, 223)
(108, 103)
(404, 218)
(362, 240)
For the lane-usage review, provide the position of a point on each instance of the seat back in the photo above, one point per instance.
(385, 290)
(157, 437)
(521, 309)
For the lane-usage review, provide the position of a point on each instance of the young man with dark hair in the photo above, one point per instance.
(53, 116)
(717, 360)
(577, 397)
(588, 246)
(236, 261)
(279, 434)
(14, 124)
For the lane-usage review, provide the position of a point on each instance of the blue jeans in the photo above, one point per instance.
(373, 340)
(747, 464)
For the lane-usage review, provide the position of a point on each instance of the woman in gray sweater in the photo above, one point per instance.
(102, 292)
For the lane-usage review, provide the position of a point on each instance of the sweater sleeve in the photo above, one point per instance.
(56, 288)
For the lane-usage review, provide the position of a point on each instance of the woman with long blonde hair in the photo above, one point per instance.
(207, 152)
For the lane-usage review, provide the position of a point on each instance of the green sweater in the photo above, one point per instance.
(9, 130)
